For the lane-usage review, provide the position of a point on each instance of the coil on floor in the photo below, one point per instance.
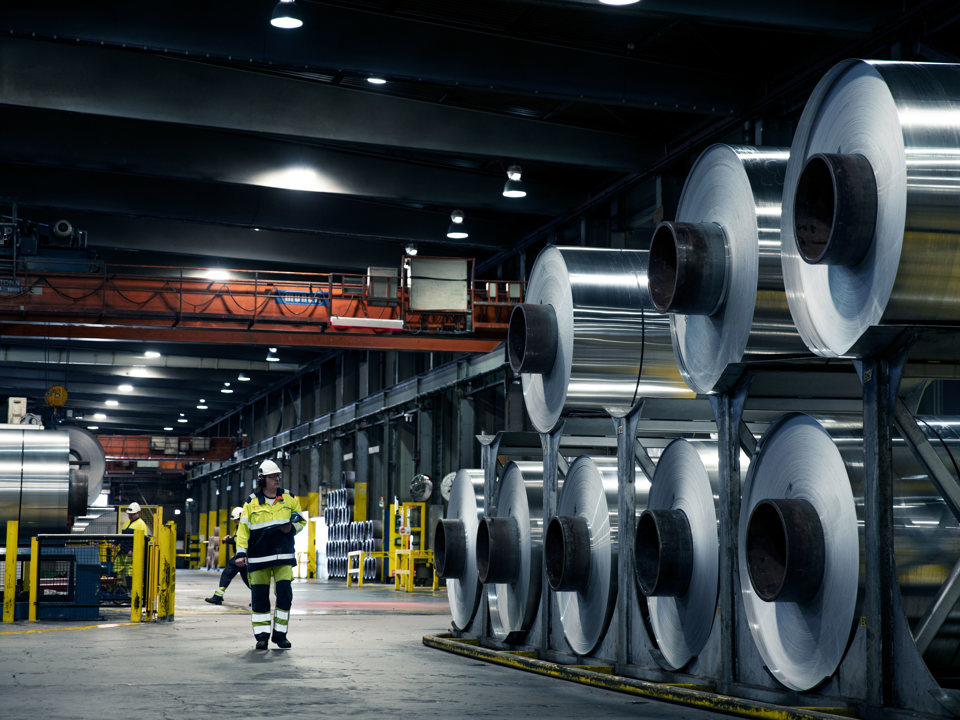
(871, 207)
(580, 549)
(799, 552)
(587, 339)
(454, 545)
(510, 551)
(716, 268)
(677, 550)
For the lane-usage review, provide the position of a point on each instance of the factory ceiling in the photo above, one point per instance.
(179, 136)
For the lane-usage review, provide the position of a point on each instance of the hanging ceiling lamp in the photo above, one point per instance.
(286, 15)
(457, 230)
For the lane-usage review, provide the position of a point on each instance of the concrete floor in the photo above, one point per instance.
(356, 653)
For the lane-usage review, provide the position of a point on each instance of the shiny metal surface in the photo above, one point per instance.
(802, 643)
(687, 479)
(904, 119)
(734, 192)
(803, 461)
(88, 458)
(36, 486)
(590, 492)
(612, 350)
(513, 605)
(465, 505)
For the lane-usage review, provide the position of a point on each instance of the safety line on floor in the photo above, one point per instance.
(692, 696)
(75, 627)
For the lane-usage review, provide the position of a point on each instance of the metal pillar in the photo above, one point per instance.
(728, 411)
(551, 455)
(626, 429)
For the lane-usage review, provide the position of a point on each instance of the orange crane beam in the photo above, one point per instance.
(254, 310)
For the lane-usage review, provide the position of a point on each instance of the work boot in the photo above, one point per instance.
(281, 640)
(262, 641)
(214, 600)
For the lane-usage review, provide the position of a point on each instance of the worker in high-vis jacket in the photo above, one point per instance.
(268, 522)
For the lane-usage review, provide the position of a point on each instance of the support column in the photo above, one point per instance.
(728, 411)
(551, 454)
(626, 428)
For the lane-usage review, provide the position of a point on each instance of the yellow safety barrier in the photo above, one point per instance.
(351, 570)
(10, 571)
(136, 583)
(34, 578)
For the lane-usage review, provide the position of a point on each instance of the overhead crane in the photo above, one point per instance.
(335, 310)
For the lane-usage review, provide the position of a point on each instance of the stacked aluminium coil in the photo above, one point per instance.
(587, 338)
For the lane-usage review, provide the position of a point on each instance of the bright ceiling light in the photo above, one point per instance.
(619, 2)
(168, 428)
(286, 15)
(226, 388)
(457, 230)
(181, 420)
(112, 403)
(99, 416)
(376, 80)
(514, 186)
(93, 427)
(243, 377)
(125, 388)
(140, 372)
(151, 354)
(411, 249)
(201, 406)
(272, 355)
(299, 177)
(216, 274)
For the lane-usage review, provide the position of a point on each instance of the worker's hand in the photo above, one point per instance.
(286, 528)
(241, 561)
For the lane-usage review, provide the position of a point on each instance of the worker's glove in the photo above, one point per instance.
(296, 518)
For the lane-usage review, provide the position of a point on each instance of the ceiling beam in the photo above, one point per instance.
(109, 81)
(250, 207)
(69, 140)
(425, 49)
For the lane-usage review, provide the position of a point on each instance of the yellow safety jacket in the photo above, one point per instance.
(259, 536)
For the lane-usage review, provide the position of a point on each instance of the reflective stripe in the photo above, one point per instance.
(281, 614)
(270, 558)
(269, 523)
(260, 618)
(244, 521)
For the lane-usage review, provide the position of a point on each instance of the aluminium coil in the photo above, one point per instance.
(580, 549)
(871, 206)
(716, 268)
(454, 545)
(588, 339)
(509, 551)
(801, 549)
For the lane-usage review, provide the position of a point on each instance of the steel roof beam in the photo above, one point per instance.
(108, 81)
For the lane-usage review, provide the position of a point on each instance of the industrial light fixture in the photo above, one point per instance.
(151, 354)
(112, 403)
(514, 186)
(93, 427)
(99, 416)
(619, 2)
(272, 355)
(125, 388)
(202, 405)
(181, 420)
(226, 388)
(457, 230)
(168, 428)
(376, 80)
(243, 377)
(410, 249)
(286, 15)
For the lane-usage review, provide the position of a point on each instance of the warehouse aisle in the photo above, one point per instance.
(356, 653)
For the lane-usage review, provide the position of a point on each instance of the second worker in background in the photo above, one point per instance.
(269, 520)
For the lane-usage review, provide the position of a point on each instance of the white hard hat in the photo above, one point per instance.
(269, 467)
(236, 513)
(133, 508)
